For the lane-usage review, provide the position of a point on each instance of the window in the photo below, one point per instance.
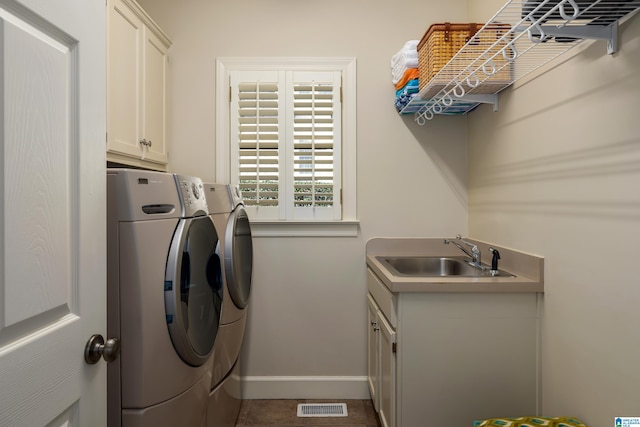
(285, 143)
(290, 137)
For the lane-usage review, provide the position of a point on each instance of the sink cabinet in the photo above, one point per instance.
(448, 358)
(137, 63)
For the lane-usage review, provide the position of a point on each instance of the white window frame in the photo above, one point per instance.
(348, 225)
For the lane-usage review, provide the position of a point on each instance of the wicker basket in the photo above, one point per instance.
(442, 41)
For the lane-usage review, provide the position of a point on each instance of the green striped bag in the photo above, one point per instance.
(529, 422)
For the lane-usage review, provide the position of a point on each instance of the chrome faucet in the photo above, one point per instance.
(473, 252)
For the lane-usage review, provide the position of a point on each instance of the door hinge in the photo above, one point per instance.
(394, 347)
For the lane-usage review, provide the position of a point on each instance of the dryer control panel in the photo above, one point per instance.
(192, 197)
(236, 195)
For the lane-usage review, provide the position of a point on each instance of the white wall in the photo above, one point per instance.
(308, 311)
(555, 172)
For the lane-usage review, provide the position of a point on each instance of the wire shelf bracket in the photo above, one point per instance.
(537, 31)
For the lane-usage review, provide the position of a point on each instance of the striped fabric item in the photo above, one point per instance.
(530, 422)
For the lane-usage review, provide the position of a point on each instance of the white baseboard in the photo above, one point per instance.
(254, 387)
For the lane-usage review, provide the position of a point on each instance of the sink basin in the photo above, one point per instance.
(424, 266)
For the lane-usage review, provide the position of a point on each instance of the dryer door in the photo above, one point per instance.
(193, 289)
(238, 257)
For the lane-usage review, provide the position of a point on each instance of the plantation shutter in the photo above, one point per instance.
(286, 143)
(256, 157)
(315, 144)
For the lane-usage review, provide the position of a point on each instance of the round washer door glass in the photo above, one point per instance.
(193, 289)
(238, 257)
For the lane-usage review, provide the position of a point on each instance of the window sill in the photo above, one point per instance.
(304, 228)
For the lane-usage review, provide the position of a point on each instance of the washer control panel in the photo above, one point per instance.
(192, 197)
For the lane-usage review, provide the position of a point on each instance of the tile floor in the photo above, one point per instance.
(283, 413)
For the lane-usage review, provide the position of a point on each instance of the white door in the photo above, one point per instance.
(52, 217)
(373, 358)
(387, 391)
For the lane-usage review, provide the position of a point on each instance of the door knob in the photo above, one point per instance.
(96, 347)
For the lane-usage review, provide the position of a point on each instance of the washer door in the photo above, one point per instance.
(238, 257)
(193, 289)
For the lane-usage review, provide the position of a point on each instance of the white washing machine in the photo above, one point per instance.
(164, 298)
(226, 208)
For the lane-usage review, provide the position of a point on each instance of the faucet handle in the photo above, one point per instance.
(496, 257)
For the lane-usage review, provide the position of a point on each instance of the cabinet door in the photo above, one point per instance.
(373, 358)
(124, 113)
(154, 106)
(387, 391)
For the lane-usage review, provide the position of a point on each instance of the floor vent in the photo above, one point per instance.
(322, 410)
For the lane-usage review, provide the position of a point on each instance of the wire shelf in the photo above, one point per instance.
(520, 38)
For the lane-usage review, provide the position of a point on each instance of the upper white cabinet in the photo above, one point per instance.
(136, 80)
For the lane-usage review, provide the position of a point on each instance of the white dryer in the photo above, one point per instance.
(226, 208)
(164, 298)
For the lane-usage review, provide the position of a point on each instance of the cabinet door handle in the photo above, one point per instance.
(373, 323)
(145, 143)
